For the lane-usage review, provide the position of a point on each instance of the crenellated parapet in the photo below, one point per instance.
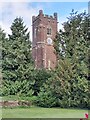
(54, 17)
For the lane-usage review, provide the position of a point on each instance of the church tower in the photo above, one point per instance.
(44, 29)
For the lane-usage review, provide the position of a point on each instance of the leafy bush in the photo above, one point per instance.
(45, 99)
(58, 93)
(40, 77)
(20, 88)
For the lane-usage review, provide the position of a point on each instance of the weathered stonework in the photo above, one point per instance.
(15, 103)
(42, 51)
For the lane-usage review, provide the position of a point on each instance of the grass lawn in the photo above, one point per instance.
(37, 112)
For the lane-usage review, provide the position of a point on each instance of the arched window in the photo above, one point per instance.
(49, 31)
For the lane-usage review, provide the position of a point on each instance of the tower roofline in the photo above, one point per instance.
(54, 16)
(40, 12)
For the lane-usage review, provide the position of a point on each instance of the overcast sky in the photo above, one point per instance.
(10, 10)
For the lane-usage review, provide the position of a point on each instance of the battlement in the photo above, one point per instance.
(49, 17)
(54, 17)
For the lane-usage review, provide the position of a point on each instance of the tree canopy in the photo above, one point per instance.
(68, 87)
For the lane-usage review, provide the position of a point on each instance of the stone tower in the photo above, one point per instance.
(44, 29)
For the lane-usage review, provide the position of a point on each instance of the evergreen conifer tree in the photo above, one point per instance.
(3, 40)
(17, 64)
(72, 49)
(69, 83)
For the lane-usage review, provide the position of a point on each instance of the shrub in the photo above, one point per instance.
(46, 99)
(20, 88)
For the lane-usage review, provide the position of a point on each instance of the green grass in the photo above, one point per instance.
(37, 112)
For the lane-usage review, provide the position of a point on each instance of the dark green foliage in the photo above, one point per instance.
(74, 52)
(19, 88)
(46, 98)
(3, 41)
(17, 64)
(40, 77)
(69, 84)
